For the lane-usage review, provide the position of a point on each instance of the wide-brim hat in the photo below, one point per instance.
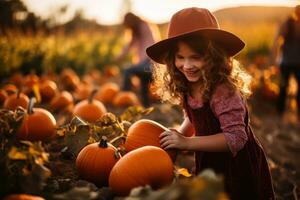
(198, 21)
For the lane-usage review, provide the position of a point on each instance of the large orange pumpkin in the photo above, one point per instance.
(95, 161)
(15, 100)
(125, 99)
(23, 197)
(107, 92)
(90, 109)
(147, 165)
(38, 124)
(145, 132)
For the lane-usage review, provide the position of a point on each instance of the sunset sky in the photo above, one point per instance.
(157, 11)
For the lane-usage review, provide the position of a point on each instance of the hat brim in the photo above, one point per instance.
(229, 42)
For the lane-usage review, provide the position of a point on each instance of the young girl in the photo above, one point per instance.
(199, 73)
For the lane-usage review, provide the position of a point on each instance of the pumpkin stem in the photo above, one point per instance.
(91, 97)
(30, 105)
(103, 142)
(117, 138)
(76, 121)
(117, 153)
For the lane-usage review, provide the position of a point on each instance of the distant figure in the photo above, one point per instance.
(141, 37)
(287, 42)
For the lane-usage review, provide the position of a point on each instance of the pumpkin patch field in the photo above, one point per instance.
(69, 132)
(62, 142)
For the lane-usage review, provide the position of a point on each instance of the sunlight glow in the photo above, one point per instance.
(109, 12)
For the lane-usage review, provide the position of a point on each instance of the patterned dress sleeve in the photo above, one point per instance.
(230, 109)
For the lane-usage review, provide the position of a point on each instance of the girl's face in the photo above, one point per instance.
(189, 62)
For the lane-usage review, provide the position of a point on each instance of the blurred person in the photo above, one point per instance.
(286, 52)
(196, 70)
(141, 37)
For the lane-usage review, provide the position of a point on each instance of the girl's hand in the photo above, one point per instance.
(172, 139)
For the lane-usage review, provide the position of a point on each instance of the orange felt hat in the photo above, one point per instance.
(190, 21)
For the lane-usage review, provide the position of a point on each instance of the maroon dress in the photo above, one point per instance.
(246, 174)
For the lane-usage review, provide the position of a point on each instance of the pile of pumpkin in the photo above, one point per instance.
(62, 92)
(144, 163)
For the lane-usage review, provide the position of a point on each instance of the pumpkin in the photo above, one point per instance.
(15, 100)
(10, 88)
(48, 90)
(38, 124)
(95, 161)
(83, 91)
(136, 83)
(31, 80)
(16, 79)
(269, 90)
(111, 71)
(90, 109)
(96, 75)
(145, 132)
(190, 131)
(61, 101)
(152, 92)
(147, 165)
(69, 79)
(23, 197)
(107, 92)
(3, 96)
(125, 99)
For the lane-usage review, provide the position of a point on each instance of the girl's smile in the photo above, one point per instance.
(189, 62)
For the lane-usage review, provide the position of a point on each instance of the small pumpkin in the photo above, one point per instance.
(107, 92)
(31, 80)
(269, 90)
(95, 161)
(111, 71)
(15, 100)
(23, 197)
(147, 165)
(3, 96)
(61, 101)
(152, 92)
(96, 75)
(90, 109)
(48, 90)
(83, 91)
(125, 99)
(145, 132)
(10, 88)
(69, 79)
(16, 79)
(38, 124)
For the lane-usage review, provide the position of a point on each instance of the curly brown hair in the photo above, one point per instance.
(172, 85)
